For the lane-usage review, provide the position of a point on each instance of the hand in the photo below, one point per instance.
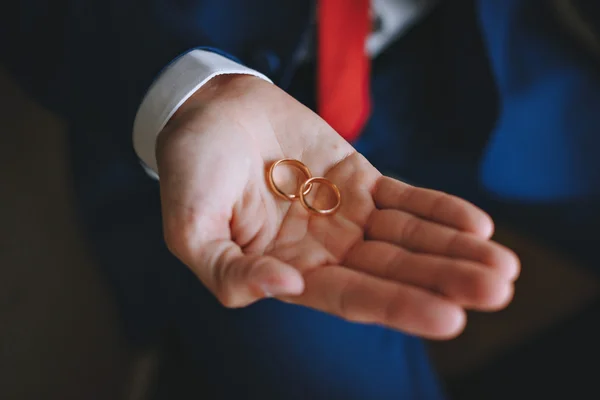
(408, 258)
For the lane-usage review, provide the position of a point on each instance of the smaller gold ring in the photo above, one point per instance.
(318, 211)
(294, 163)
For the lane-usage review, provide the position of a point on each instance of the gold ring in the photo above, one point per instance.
(294, 163)
(308, 184)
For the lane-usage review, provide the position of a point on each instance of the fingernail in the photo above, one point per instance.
(274, 290)
(266, 291)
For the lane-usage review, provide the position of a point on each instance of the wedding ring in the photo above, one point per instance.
(296, 164)
(318, 211)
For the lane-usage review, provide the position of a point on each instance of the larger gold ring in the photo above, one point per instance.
(308, 184)
(294, 163)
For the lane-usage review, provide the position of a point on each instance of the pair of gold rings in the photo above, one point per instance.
(305, 187)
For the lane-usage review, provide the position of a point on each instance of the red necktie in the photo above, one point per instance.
(343, 65)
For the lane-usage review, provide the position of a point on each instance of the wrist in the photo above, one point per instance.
(217, 87)
(218, 96)
(222, 90)
(176, 83)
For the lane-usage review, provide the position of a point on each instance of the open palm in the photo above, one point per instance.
(409, 258)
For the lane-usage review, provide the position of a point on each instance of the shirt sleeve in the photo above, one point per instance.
(180, 80)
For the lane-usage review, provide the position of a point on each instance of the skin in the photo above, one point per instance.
(408, 258)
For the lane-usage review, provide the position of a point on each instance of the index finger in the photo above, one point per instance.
(433, 205)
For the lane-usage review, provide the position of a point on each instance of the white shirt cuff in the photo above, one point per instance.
(173, 87)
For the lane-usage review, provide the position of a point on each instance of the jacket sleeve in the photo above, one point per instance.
(91, 60)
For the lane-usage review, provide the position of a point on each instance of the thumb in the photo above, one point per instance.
(205, 170)
(238, 280)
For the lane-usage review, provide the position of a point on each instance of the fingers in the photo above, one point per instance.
(419, 235)
(362, 298)
(433, 205)
(238, 280)
(466, 283)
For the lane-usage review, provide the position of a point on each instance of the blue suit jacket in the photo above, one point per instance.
(504, 93)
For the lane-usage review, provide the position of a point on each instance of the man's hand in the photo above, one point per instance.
(408, 258)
